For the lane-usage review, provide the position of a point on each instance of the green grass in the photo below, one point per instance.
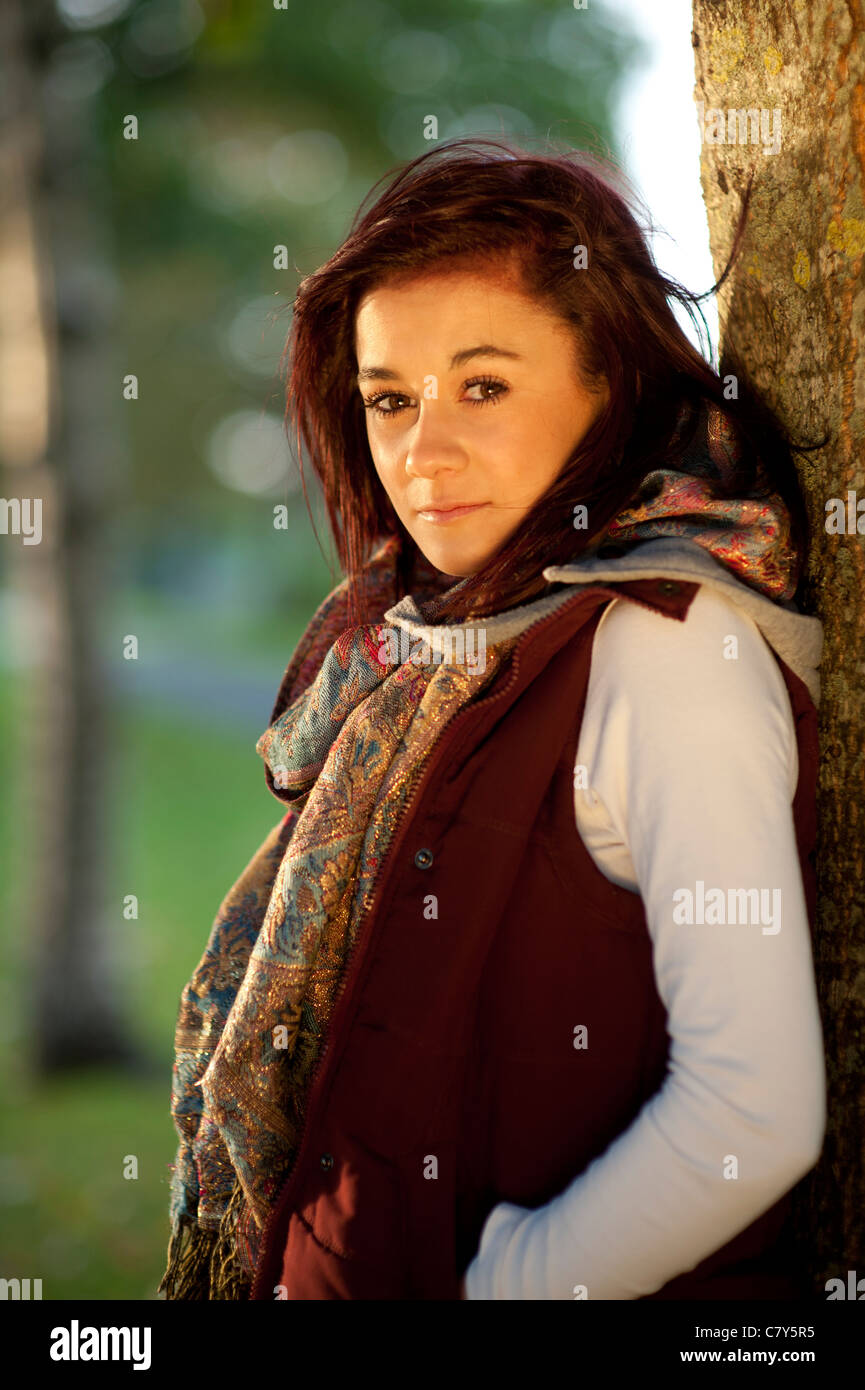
(70, 1217)
(191, 808)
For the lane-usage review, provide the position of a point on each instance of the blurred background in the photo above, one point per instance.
(154, 155)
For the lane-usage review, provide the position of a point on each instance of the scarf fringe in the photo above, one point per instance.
(203, 1265)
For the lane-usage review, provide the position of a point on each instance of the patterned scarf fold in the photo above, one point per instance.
(751, 535)
(349, 736)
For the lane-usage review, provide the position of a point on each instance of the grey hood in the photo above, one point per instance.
(797, 638)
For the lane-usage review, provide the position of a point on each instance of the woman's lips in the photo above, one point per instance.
(439, 517)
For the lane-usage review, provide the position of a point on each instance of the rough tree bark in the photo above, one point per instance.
(793, 313)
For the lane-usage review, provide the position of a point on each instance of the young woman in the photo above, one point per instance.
(517, 999)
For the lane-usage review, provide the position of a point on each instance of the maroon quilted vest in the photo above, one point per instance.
(450, 1081)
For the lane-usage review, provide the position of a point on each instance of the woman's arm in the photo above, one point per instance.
(692, 767)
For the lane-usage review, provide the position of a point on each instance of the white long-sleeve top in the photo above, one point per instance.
(691, 766)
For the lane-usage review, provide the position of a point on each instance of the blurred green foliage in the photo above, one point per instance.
(193, 808)
(236, 124)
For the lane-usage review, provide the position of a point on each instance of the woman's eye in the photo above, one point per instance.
(374, 403)
(487, 383)
(484, 384)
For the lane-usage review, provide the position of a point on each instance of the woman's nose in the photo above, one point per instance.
(432, 445)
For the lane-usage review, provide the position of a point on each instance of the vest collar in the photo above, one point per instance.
(796, 637)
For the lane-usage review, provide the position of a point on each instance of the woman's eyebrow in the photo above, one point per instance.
(464, 355)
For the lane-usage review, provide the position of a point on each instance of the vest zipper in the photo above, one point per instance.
(416, 780)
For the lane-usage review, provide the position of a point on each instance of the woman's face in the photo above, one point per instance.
(478, 404)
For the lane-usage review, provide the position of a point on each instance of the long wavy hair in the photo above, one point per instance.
(478, 202)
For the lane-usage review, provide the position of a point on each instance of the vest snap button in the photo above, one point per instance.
(668, 586)
(326, 1161)
(423, 858)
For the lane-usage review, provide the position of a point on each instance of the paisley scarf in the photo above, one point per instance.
(349, 735)
(750, 535)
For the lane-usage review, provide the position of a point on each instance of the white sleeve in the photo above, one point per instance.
(691, 755)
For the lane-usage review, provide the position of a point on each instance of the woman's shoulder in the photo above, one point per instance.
(716, 652)
(706, 686)
(688, 727)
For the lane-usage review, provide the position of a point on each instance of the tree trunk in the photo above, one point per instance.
(793, 313)
(56, 445)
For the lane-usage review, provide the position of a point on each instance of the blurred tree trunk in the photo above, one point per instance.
(793, 313)
(57, 444)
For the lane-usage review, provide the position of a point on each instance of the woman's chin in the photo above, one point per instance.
(451, 563)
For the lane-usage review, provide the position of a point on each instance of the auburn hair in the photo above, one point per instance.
(480, 202)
